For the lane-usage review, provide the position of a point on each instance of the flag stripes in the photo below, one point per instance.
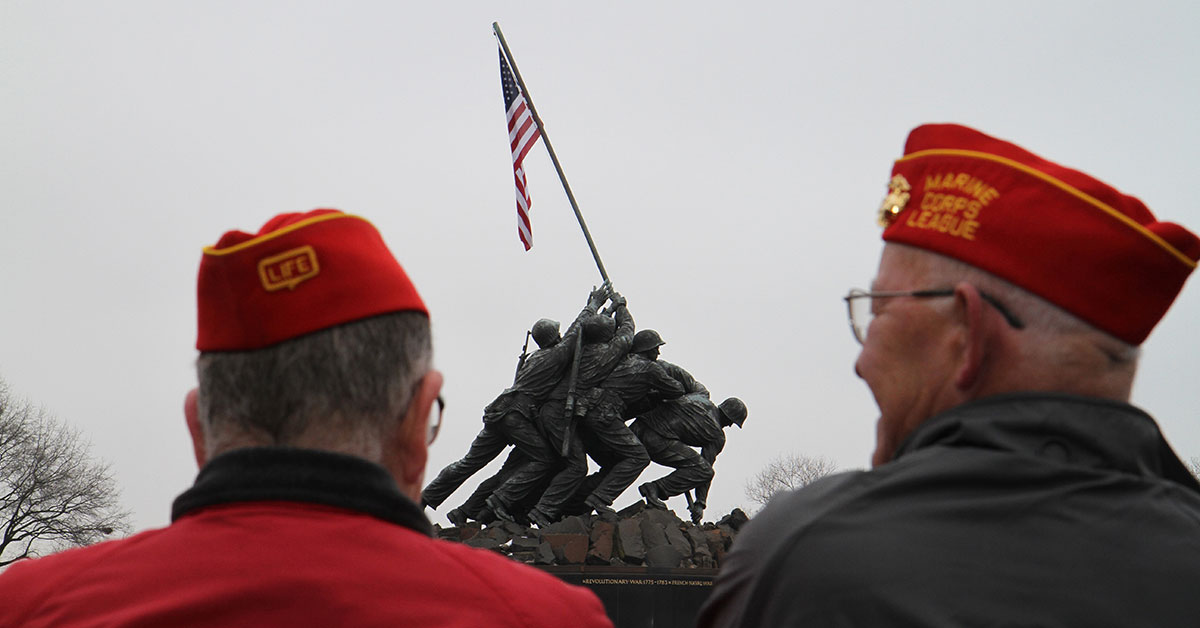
(523, 133)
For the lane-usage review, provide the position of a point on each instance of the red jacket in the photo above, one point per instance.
(277, 537)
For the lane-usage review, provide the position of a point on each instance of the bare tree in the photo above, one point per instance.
(52, 494)
(786, 473)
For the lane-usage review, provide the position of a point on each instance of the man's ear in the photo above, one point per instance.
(191, 416)
(411, 451)
(971, 310)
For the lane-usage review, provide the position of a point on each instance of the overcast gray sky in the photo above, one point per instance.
(729, 158)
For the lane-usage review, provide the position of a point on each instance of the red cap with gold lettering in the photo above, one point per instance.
(1056, 232)
(302, 272)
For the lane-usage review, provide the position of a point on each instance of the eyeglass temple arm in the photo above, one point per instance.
(1008, 316)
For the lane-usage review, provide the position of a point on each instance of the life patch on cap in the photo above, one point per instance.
(1057, 232)
(302, 272)
(289, 268)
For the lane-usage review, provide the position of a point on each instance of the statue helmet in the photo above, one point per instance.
(599, 328)
(646, 340)
(545, 332)
(735, 410)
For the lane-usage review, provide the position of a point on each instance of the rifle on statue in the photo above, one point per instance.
(524, 355)
(692, 508)
(569, 408)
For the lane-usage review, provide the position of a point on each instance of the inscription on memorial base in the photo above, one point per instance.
(644, 597)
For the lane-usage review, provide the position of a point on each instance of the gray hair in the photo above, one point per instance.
(1044, 322)
(353, 380)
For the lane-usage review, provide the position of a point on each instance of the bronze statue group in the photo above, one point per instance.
(572, 399)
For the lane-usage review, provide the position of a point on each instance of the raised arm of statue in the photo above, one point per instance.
(625, 326)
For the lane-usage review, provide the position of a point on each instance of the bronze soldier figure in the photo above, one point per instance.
(671, 430)
(606, 340)
(638, 380)
(510, 419)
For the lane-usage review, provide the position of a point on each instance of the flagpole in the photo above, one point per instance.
(550, 149)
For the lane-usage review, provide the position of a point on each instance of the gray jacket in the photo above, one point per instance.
(1018, 510)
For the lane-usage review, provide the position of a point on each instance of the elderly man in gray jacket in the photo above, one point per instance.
(1013, 484)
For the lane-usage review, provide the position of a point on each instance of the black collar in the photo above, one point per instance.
(300, 475)
(1086, 431)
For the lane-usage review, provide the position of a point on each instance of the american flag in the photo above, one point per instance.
(523, 133)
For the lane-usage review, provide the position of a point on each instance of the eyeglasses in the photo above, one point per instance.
(858, 307)
(435, 421)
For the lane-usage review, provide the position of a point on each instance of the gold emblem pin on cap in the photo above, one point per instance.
(895, 201)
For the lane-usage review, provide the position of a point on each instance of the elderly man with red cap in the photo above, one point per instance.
(1012, 483)
(316, 405)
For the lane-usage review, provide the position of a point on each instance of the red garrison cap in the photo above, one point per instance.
(302, 272)
(1056, 232)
